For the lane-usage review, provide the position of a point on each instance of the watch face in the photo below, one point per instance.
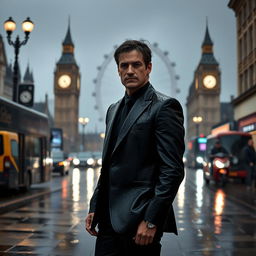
(25, 96)
(64, 81)
(209, 81)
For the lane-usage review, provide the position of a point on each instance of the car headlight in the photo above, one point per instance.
(199, 159)
(184, 159)
(90, 161)
(48, 160)
(76, 161)
(99, 162)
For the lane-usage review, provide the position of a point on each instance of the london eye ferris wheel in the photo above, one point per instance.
(107, 77)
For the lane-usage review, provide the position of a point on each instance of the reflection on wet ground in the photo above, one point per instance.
(211, 220)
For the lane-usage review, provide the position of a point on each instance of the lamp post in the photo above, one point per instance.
(83, 121)
(197, 120)
(10, 26)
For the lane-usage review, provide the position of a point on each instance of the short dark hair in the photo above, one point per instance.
(130, 45)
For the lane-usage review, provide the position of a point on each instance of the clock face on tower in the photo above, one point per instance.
(64, 81)
(209, 81)
(25, 96)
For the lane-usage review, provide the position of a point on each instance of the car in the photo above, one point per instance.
(60, 163)
(84, 159)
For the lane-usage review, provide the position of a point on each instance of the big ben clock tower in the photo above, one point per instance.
(203, 101)
(67, 91)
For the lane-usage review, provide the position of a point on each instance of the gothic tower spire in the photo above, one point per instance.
(68, 47)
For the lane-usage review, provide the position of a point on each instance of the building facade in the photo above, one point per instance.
(204, 93)
(5, 73)
(67, 91)
(245, 102)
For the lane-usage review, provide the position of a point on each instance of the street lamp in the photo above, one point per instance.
(102, 135)
(197, 120)
(10, 26)
(83, 121)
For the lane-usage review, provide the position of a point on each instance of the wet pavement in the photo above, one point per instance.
(211, 220)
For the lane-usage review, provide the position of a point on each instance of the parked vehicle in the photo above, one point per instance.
(218, 169)
(60, 163)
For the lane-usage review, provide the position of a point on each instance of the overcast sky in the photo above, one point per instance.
(178, 26)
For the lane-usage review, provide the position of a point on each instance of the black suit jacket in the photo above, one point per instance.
(146, 166)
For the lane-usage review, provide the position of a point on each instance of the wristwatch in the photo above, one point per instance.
(150, 225)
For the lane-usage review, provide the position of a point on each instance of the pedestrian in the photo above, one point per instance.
(142, 164)
(249, 157)
(218, 148)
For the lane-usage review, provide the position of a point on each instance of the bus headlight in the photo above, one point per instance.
(90, 161)
(199, 159)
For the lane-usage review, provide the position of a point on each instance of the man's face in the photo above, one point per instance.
(133, 71)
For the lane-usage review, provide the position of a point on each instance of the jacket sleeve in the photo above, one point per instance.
(169, 135)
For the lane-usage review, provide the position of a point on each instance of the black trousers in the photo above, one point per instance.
(110, 243)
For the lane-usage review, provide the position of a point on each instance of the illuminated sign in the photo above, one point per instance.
(222, 128)
(202, 140)
(202, 146)
(56, 138)
(249, 128)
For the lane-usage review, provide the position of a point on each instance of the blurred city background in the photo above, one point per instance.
(57, 79)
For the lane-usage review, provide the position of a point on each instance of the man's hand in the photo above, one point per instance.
(88, 224)
(144, 234)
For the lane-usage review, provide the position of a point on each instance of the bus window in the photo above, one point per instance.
(209, 147)
(234, 144)
(1, 145)
(33, 146)
(14, 150)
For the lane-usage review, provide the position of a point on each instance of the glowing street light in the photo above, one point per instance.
(197, 120)
(83, 121)
(10, 26)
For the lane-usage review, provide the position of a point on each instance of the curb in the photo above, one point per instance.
(16, 203)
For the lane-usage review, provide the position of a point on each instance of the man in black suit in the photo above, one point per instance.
(142, 164)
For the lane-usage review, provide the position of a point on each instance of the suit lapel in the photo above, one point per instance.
(109, 128)
(140, 105)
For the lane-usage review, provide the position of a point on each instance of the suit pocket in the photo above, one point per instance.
(140, 202)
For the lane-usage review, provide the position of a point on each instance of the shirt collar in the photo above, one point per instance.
(137, 94)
